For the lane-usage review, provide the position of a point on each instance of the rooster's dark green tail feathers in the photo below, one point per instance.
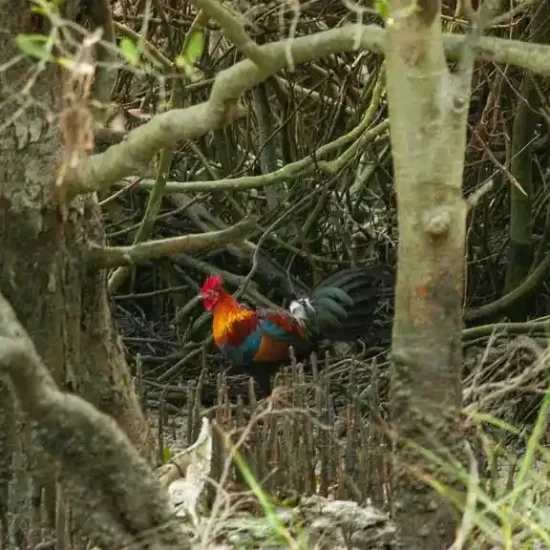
(342, 306)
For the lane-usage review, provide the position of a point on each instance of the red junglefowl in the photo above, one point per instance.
(257, 340)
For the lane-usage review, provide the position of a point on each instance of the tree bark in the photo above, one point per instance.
(428, 108)
(62, 305)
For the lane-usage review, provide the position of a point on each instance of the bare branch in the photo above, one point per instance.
(530, 56)
(115, 256)
(508, 16)
(529, 285)
(334, 166)
(233, 30)
(115, 496)
(166, 130)
(305, 165)
(478, 23)
(156, 54)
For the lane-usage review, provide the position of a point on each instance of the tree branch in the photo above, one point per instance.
(533, 57)
(529, 285)
(479, 22)
(115, 256)
(166, 130)
(115, 496)
(233, 30)
(429, 10)
(102, 170)
(301, 167)
(153, 52)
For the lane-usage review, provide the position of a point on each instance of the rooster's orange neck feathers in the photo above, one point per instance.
(226, 311)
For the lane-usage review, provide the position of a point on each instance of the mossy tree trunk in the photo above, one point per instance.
(63, 306)
(428, 109)
(521, 224)
(520, 254)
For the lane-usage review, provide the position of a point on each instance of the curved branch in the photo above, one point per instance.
(305, 165)
(532, 328)
(156, 54)
(115, 256)
(115, 496)
(166, 130)
(529, 285)
(233, 30)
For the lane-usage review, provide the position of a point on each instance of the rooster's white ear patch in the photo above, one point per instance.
(300, 309)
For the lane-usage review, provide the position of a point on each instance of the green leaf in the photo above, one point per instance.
(129, 51)
(43, 7)
(65, 62)
(33, 45)
(166, 454)
(382, 7)
(192, 51)
(195, 46)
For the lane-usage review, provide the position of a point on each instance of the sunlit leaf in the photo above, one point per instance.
(129, 51)
(44, 6)
(192, 51)
(166, 454)
(66, 62)
(33, 45)
(195, 46)
(382, 7)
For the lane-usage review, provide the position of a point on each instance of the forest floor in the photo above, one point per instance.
(512, 487)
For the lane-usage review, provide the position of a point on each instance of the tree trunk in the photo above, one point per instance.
(520, 254)
(62, 305)
(428, 107)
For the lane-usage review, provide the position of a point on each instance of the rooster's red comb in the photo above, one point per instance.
(212, 282)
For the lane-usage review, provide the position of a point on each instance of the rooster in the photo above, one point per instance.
(257, 340)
